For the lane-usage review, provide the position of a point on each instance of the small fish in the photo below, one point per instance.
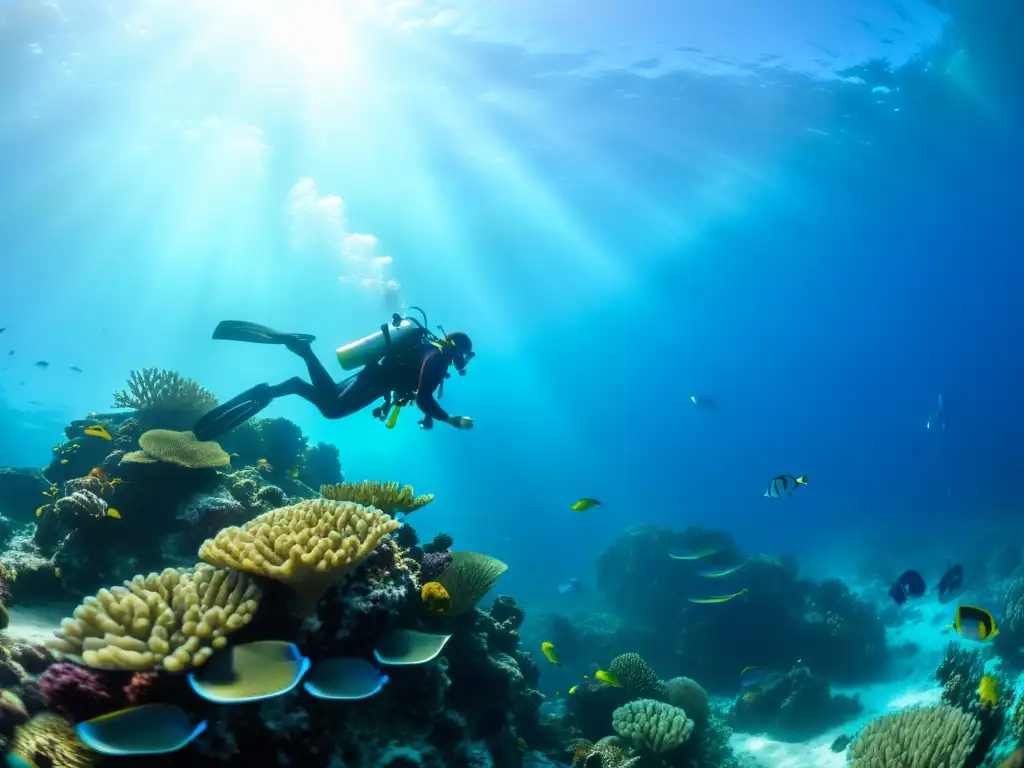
(294, 471)
(98, 430)
(548, 649)
(57, 448)
(573, 690)
(39, 511)
(521, 744)
(76, 369)
(973, 623)
(56, 572)
(988, 691)
(608, 677)
(51, 491)
(75, 446)
(111, 512)
(584, 504)
(784, 485)
(698, 555)
(951, 584)
(264, 465)
(99, 474)
(717, 600)
(41, 364)
(572, 585)
(717, 573)
(751, 676)
(910, 584)
(63, 461)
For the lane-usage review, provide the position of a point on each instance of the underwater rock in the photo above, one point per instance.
(78, 693)
(21, 492)
(792, 707)
(433, 565)
(322, 466)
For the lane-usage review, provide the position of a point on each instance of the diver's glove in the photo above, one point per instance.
(426, 422)
(461, 422)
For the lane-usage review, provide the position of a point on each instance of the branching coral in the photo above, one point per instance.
(469, 577)
(48, 739)
(309, 546)
(640, 681)
(653, 725)
(389, 497)
(916, 738)
(174, 619)
(180, 448)
(164, 398)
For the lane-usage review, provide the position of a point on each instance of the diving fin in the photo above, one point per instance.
(240, 330)
(229, 415)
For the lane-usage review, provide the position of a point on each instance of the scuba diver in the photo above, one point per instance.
(403, 362)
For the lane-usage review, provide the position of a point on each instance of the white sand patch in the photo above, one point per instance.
(35, 623)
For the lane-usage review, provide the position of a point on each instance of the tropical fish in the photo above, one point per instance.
(76, 369)
(51, 491)
(988, 691)
(39, 511)
(521, 744)
(294, 471)
(910, 584)
(716, 600)
(717, 573)
(951, 584)
(751, 676)
(264, 465)
(41, 364)
(111, 512)
(98, 430)
(63, 461)
(584, 504)
(99, 474)
(548, 649)
(608, 677)
(56, 572)
(75, 446)
(784, 485)
(973, 623)
(702, 553)
(573, 690)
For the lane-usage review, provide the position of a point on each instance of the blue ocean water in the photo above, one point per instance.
(806, 213)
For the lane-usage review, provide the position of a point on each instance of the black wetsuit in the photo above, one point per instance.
(420, 370)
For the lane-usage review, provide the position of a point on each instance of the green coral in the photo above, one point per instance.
(469, 577)
(922, 737)
(181, 448)
(388, 497)
(637, 677)
(652, 725)
(164, 398)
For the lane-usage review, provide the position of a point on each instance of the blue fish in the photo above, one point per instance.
(751, 676)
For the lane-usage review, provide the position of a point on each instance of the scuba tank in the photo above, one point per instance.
(372, 348)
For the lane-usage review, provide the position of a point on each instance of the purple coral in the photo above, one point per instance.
(76, 692)
(433, 565)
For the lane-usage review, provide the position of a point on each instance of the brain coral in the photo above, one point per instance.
(309, 546)
(173, 619)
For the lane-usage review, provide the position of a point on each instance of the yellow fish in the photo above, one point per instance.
(56, 572)
(608, 677)
(63, 461)
(76, 446)
(697, 555)
(51, 491)
(98, 430)
(393, 418)
(111, 512)
(548, 649)
(716, 600)
(988, 691)
(573, 690)
(584, 504)
(973, 623)
(264, 465)
(40, 510)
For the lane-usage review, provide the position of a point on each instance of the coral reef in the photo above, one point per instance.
(164, 399)
(960, 673)
(916, 738)
(652, 725)
(389, 497)
(469, 577)
(792, 707)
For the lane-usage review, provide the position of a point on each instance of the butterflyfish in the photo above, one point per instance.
(584, 504)
(988, 691)
(608, 677)
(909, 584)
(548, 649)
(750, 676)
(973, 623)
(393, 418)
(98, 430)
(111, 512)
(784, 485)
(717, 599)
(717, 573)
(698, 555)
(573, 690)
